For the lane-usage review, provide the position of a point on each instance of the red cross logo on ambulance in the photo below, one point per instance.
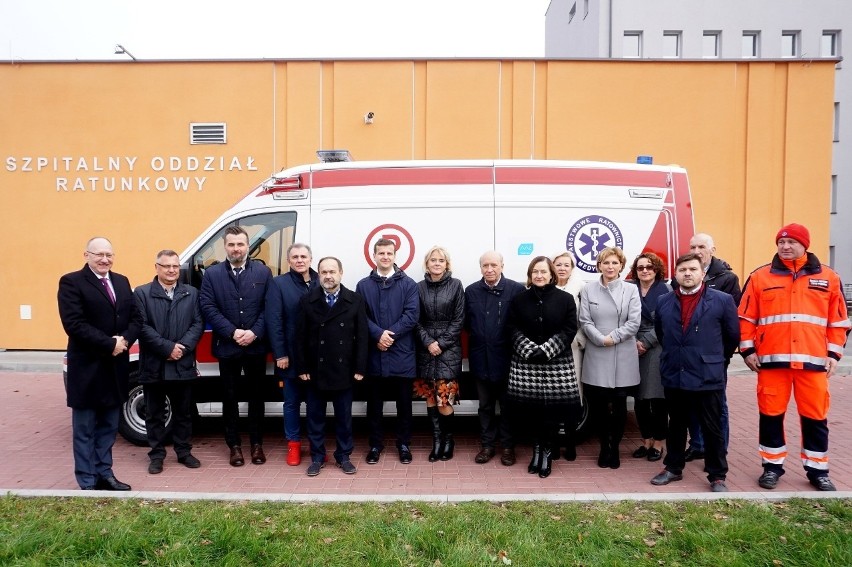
(589, 236)
(401, 238)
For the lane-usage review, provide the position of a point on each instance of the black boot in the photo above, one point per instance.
(570, 447)
(434, 416)
(604, 456)
(615, 441)
(546, 462)
(449, 443)
(535, 463)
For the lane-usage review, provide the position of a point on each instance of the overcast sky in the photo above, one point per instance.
(215, 29)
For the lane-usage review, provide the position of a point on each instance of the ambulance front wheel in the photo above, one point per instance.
(131, 423)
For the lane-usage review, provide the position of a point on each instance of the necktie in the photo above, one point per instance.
(330, 299)
(108, 289)
(237, 272)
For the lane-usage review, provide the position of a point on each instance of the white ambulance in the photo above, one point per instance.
(519, 208)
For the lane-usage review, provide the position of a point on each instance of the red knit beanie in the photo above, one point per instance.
(796, 232)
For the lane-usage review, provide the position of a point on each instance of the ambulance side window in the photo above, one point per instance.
(269, 236)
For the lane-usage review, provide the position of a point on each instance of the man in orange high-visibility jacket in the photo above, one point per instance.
(793, 327)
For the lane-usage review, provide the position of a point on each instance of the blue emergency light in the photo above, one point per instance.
(645, 160)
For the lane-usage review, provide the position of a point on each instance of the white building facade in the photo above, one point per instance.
(724, 29)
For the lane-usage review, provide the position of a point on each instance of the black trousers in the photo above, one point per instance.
(398, 389)
(234, 383)
(653, 418)
(491, 393)
(179, 393)
(707, 406)
(608, 407)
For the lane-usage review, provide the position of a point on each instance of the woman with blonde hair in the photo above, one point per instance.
(439, 355)
(569, 280)
(610, 313)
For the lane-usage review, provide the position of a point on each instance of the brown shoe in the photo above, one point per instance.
(237, 456)
(484, 455)
(507, 459)
(257, 456)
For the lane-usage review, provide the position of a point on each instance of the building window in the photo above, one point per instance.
(208, 133)
(831, 257)
(572, 12)
(711, 44)
(585, 8)
(671, 44)
(631, 45)
(830, 46)
(790, 44)
(833, 209)
(836, 121)
(751, 44)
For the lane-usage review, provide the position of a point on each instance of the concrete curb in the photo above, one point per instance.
(763, 496)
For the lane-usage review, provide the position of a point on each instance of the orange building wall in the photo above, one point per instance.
(754, 136)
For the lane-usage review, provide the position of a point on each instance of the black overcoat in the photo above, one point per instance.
(166, 322)
(96, 379)
(331, 343)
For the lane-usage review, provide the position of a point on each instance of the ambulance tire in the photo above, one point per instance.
(585, 425)
(131, 422)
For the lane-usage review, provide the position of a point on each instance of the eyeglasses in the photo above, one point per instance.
(169, 266)
(107, 255)
(645, 269)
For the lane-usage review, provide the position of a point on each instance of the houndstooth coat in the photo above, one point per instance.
(543, 318)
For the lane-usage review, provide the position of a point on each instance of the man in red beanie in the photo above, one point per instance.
(793, 327)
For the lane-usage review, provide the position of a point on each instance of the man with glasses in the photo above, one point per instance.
(171, 329)
(96, 309)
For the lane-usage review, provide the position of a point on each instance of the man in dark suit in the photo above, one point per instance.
(393, 310)
(96, 309)
(332, 340)
(232, 300)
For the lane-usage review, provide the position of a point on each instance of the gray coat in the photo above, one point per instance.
(613, 310)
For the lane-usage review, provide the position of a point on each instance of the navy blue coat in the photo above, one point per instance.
(227, 308)
(489, 349)
(393, 304)
(282, 313)
(695, 359)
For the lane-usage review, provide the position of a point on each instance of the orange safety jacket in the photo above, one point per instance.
(793, 318)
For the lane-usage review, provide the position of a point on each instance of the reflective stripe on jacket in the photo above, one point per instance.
(793, 319)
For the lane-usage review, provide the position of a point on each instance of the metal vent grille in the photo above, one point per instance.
(208, 133)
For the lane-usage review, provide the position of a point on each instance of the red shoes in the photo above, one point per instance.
(294, 453)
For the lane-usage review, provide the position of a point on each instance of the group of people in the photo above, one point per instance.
(536, 350)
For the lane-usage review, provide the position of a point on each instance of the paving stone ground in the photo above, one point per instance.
(35, 439)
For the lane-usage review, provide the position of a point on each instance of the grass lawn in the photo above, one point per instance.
(85, 531)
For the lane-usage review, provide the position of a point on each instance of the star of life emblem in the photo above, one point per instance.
(588, 236)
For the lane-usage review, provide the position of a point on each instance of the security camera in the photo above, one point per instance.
(368, 118)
